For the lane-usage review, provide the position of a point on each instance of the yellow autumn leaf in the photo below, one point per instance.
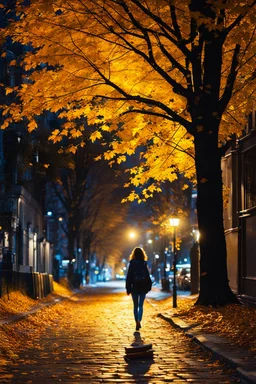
(32, 125)
(75, 133)
(121, 159)
(8, 90)
(72, 149)
(95, 135)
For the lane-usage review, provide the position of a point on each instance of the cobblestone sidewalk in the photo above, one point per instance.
(85, 344)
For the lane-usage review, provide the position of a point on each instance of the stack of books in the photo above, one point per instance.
(139, 352)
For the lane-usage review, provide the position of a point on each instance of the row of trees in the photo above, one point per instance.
(175, 78)
(86, 194)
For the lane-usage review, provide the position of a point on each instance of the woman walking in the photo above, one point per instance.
(138, 282)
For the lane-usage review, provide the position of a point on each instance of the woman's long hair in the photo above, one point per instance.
(138, 254)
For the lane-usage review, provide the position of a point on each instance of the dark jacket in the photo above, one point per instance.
(135, 267)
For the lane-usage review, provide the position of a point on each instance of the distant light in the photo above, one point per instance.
(174, 221)
(79, 250)
(49, 213)
(185, 260)
(36, 158)
(196, 234)
(132, 235)
(150, 241)
(60, 218)
(87, 261)
(157, 256)
(73, 260)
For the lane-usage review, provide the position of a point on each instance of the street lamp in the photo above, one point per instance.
(156, 265)
(174, 221)
(132, 235)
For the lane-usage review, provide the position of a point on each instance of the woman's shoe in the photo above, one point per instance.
(138, 326)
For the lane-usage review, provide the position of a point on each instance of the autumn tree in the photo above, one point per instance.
(173, 77)
(174, 201)
(83, 187)
(82, 191)
(104, 214)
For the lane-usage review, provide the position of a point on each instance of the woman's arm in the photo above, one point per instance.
(128, 284)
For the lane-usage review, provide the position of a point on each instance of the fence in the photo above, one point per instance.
(35, 285)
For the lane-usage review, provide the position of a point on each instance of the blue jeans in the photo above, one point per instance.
(138, 301)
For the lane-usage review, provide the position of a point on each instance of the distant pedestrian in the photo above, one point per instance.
(138, 282)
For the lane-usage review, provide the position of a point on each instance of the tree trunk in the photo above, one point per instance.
(214, 286)
(71, 242)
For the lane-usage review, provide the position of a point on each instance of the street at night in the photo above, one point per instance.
(127, 171)
(83, 340)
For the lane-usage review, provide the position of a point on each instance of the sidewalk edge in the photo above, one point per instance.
(243, 369)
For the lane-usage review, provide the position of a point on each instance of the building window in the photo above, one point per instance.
(250, 178)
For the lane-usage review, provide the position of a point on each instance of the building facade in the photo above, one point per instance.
(25, 252)
(239, 178)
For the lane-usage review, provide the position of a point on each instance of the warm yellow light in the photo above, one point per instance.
(132, 235)
(196, 234)
(174, 221)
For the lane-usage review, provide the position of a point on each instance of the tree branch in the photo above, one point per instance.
(230, 81)
(238, 19)
(164, 26)
(174, 116)
(177, 88)
(175, 22)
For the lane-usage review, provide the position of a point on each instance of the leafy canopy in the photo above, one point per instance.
(139, 69)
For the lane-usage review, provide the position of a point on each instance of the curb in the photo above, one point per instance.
(237, 357)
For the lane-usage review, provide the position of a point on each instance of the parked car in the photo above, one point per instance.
(184, 279)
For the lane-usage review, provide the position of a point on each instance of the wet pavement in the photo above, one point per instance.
(86, 340)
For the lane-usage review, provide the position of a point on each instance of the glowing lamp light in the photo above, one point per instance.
(196, 234)
(174, 221)
(132, 235)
